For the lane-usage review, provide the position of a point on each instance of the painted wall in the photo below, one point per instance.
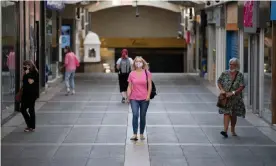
(122, 22)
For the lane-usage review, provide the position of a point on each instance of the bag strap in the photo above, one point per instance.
(147, 78)
(233, 80)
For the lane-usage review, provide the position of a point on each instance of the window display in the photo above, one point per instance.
(9, 55)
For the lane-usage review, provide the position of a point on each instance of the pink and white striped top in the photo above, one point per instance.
(11, 60)
(71, 61)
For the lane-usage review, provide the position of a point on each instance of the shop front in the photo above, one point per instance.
(254, 21)
(216, 42)
(21, 40)
(10, 54)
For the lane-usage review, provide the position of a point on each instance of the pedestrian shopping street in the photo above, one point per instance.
(93, 128)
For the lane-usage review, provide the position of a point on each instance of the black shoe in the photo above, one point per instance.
(134, 138)
(224, 134)
(123, 100)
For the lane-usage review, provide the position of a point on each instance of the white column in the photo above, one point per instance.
(220, 53)
(211, 45)
(60, 40)
(190, 66)
(241, 50)
(223, 49)
(261, 71)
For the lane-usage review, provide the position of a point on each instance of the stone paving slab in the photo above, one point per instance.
(93, 128)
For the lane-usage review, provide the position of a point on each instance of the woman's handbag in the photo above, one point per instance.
(153, 89)
(18, 96)
(222, 99)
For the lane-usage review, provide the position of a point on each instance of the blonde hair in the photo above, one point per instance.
(145, 64)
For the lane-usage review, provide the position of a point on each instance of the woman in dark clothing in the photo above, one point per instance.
(30, 92)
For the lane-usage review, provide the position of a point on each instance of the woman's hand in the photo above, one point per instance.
(222, 91)
(31, 81)
(229, 94)
(148, 98)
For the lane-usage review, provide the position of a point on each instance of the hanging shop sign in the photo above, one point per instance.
(253, 15)
(232, 16)
(55, 5)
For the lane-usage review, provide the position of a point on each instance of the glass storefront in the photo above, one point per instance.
(19, 43)
(9, 54)
(52, 43)
(267, 114)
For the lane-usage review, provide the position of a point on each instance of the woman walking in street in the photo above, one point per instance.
(70, 63)
(123, 66)
(138, 91)
(231, 83)
(30, 92)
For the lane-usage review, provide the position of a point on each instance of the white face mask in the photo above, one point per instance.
(139, 64)
(233, 70)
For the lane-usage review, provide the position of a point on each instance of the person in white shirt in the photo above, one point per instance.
(124, 64)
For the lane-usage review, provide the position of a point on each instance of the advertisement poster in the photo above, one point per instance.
(65, 32)
(248, 14)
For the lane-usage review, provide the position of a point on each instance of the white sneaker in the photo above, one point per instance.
(68, 91)
(73, 92)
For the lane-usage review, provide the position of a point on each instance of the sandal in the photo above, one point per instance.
(234, 134)
(134, 138)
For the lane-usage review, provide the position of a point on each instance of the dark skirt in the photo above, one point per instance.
(123, 83)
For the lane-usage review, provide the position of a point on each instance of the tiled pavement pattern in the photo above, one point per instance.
(92, 128)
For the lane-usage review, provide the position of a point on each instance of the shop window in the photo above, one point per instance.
(9, 55)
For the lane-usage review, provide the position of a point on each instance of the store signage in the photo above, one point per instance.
(250, 14)
(232, 16)
(273, 11)
(55, 5)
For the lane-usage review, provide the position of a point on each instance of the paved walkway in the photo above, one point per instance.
(92, 128)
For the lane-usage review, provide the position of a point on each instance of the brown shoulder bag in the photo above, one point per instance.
(222, 99)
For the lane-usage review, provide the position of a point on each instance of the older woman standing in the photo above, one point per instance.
(231, 83)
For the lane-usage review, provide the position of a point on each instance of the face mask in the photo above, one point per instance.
(25, 68)
(139, 64)
(233, 70)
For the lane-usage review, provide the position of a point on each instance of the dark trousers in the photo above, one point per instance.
(29, 115)
(123, 83)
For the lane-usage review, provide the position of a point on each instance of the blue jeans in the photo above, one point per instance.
(70, 79)
(137, 105)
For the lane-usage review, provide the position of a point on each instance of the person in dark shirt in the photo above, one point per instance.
(30, 92)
